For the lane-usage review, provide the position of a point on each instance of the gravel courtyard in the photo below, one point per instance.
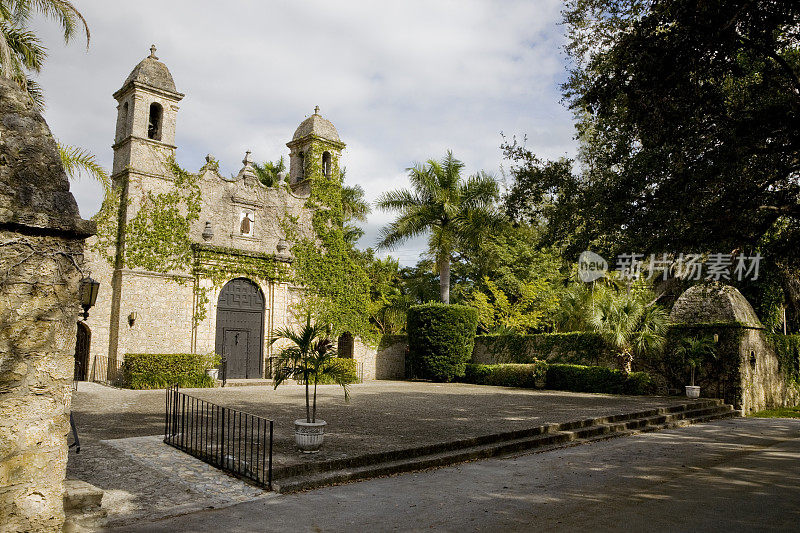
(381, 416)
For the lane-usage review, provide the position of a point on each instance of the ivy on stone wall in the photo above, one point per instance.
(338, 288)
(157, 239)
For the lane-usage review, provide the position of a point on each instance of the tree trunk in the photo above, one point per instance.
(444, 278)
(305, 379)
(314, 409)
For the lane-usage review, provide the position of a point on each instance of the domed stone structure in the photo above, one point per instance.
(41, 237)
(714, 303)
(318, 126)
(315, 150)
(152, 72)
(744, 369)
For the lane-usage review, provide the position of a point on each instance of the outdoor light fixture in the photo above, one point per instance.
(716, 337)
(132, 318)
(88, 293)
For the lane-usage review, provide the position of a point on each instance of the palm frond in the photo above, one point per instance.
(77, 161)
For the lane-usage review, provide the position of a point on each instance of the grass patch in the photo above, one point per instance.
(780, 412)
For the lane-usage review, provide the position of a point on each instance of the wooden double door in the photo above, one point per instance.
(240, 328)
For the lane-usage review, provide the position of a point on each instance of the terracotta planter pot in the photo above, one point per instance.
(692, 391)
(308, 435)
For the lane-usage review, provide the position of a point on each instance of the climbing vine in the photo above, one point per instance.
(324, 263)
(157, 239)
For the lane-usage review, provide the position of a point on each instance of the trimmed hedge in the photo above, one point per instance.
(440, 340)
(578, 378)
(529, 376)
(158, 371)
(350, 367)
(575, 347)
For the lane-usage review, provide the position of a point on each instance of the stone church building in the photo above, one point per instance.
(139, 311)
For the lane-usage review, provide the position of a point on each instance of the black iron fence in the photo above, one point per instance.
(237, 442)
(105, 370)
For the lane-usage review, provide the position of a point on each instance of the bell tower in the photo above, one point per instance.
(146, 114)
(314, 153)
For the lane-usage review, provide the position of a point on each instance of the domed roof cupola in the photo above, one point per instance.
(152, 73)
(317, 126)
(315, 149)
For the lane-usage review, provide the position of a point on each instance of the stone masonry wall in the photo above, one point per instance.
(41, 265)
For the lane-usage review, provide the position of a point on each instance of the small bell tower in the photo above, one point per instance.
(146, 115)
(314, 153)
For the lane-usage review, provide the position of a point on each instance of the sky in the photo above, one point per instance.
(403, 82)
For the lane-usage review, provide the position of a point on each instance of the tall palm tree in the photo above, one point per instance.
(454, 212)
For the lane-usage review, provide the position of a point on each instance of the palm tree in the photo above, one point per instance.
(456, 213)
(354, 208)
(311, 355)
(269, 171)
(21, 51)
(695, 350)
(631, 325)
(76, 161)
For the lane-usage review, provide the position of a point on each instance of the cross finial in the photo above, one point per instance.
(153, 51)
(316, 110)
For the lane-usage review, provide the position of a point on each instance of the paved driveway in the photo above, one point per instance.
(730, 475)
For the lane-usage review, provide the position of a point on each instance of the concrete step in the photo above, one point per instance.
(80, 495)
(82, 506)
(540, 439)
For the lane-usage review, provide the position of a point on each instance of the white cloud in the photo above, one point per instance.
(402, 81)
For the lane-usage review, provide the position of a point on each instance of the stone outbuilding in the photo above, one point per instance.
(240, 219)
(746, 370)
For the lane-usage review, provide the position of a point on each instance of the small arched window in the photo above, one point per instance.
(154, 121)
(326, 164)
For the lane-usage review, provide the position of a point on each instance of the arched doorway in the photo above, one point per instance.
(82, 343)
(240, 328)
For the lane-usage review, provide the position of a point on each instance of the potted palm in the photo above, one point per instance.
(694, 350)
(309, 357)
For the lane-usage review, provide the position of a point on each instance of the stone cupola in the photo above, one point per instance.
(146, 116)
(315, 150)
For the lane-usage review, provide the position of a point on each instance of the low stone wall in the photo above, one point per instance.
(390, 359)
(578, 348)
(573, 348)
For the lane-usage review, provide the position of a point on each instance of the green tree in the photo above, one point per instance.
(630, 323)
(686, 114)
(21, 52)
(454, 212)
(309, 357)
(269, 172)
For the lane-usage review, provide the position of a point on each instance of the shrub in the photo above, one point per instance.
(527, 376)
(579, 378)
(158, 371)
(348, 365)
(440, 339)
(787, 348)
(575, 347)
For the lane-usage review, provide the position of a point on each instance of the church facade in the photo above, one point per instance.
(143, 311)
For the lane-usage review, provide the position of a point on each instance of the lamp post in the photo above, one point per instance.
(88, 293)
